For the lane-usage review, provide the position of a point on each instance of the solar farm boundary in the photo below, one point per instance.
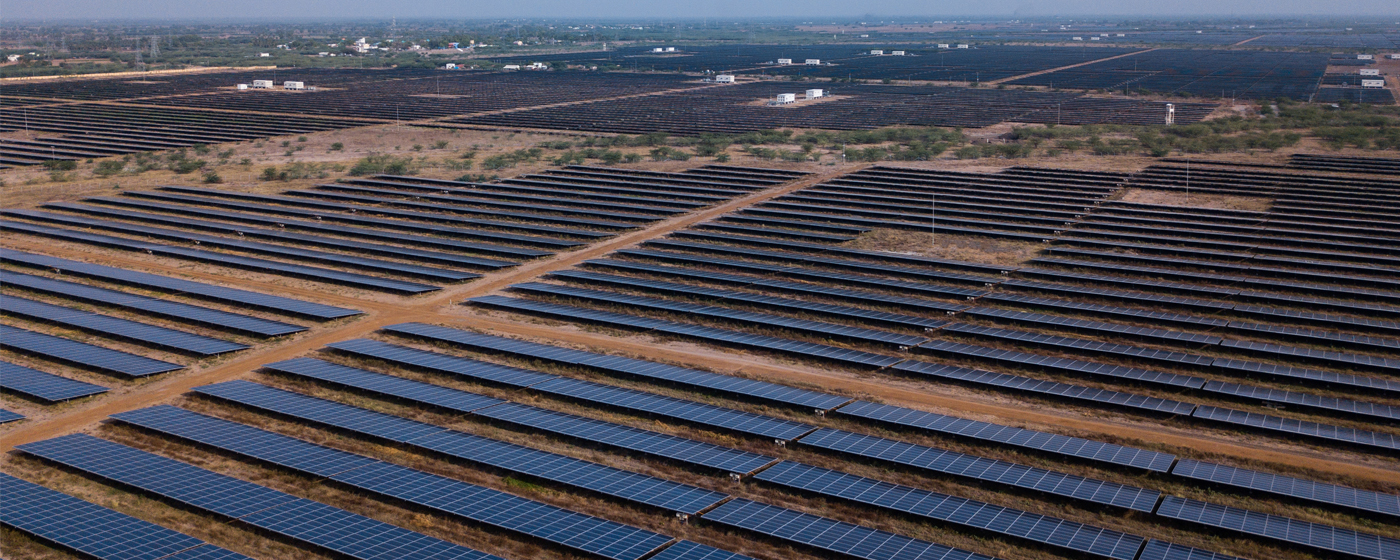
(379, 314)
(1097, 60)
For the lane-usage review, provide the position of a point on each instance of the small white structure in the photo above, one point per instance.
(943, 45)
(1171, 113)
(449, 66)
(1393, 56)
(897, 53)
(784, 61)
(724, 78)
(511, 67)
(1365, 57)
(1373, 83)
(813, 62)
(1369, 71)
(536, 66)
(242, 87)
(293, 85)
(264, 55)
(1076, 38)
(786, 98)
(877, 52)
(670, 49)
(814, 93)
(16, 57)
(323, 54)
(657, 49)
(262, 84)
(1120, 35)
(1095, 38)
(962, 46)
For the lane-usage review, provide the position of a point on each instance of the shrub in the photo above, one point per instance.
(382, 164)
(184, 166)
(269, 174)
(632, 158)
(212, 177)
(60, 165)
(108, 168)
(301, 139)
(440, 144)
(337, 146)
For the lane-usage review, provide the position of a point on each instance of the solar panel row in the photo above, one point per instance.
(1043, 387)
(84, 355)
(440, 363)
(1292, 427)
(276, 304)
(302, 520)
(184, 312)
(117, 328)
(7, 416)
(93, 530)
(1286, 486)
(625, 485)
(1324, 538)
(44, 386)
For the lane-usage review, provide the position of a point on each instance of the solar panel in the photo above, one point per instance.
(558, 206)
(1334, 359)
(1123, 295)
(86, 355)
(44, 386)
(1290, 487)
(722, 314)
(980, 468)
(1294, 373)
(117, 328)
(441, 363)
(830, 535)
(688, 550)
(326, 462)
(1007, 435)
(1087, 346)
(1112, 311)
(1095, 327)
(7, 416)
(1045, 388)
(91, 529)
(1064, 365)
(320, 411)
(532, 213)
(1317, 536)
(1326, 338)
(302, 520)
(229, 260)
(955, 510)
(618, 365)
(1162, 550)
(1291, 427)
(706, 415)
(903, 259)
(1305, 400)
(785, 304)
(387, 385)
(713, 335)
(808, 260)
(151, 306)
(185, 287)
(635, 440)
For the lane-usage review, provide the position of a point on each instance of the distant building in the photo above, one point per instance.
(449, 66)
(813, 62)
(262, 84)
(724, 78)
(897, 53)
(944, 46)
(293, 85)
(511, 67)
(877, 52)
(1365, 57)
(784, 61)
(962, 46)
(13, 57)
(264, 55)
(1373, 83)
(814, 93)
(786, 98)
(1369, 71)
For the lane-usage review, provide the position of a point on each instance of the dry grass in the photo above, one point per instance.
(970, 248)
(1198, 200)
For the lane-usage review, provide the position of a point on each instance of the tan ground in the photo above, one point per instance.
(1198, 200)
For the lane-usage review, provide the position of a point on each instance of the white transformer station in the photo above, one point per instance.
(1171, 113)
(814, 93)
(786, 98)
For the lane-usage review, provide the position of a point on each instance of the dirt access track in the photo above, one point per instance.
(430, 310)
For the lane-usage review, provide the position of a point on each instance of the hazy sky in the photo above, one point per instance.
(728, 9)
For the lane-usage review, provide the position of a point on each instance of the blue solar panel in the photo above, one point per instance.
(441, 363)
(830, 535)
(1007, 435)
(687, 550)
(634, 440)
(255, 300)
(1290, 427)
(1061, 365)
(1324, 538)
(7, 416)
(959, 511)
(1290, 487)
(619, 365)
(706, 415)
(980, 468)
(92, 529)
(639, 488)
(161, 308)
(1162, 550)
(86, 355)
(1042, 387)
(118, 328)
(45, 386)
(387, 385)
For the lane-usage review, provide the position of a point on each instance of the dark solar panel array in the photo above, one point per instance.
(618, 365)
(1323, 538)
(1077, 537)
(255, 300)
(301, 520)
(151, 306)
(1162, 550)
(830, 535)
(440, 363)
(983, 469)
(1006, 435)
(1291, 427)
(44, 386)
(117, 328)
(1044, 387)
(381, 384)
(78, 353)
(7, 416)
(1334, 405)
(1289, 487)
(93, 530)
(625, 485)
(688, 550)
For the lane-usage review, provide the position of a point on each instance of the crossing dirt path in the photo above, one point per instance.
(1097, 60)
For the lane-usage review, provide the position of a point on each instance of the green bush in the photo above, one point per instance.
(108, 168)
(184, 166)
(212, 178)
(382, 164)
(337, 146)
(60, 165)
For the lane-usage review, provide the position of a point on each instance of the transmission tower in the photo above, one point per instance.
(140, 65)
(155, 48)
